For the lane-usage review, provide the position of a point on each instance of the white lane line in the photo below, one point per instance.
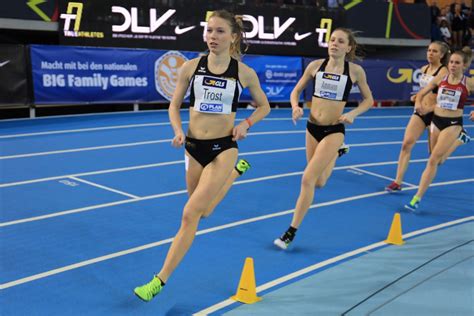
(201, 232)
(261, 152)
(381, 176)
(333, 260)
(360, 129)
(90, 208)
(90, 129)
(161, 195)
(55, 152)
(113, 127)
(4, 185)
(163, 164)
(117, 127)
(152, 142)
(105, 187)
(91, 173)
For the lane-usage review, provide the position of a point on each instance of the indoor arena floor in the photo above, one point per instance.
(90, 204)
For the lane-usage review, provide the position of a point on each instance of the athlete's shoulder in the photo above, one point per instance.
(314, 66)
(356, 67)
(316, 62)
(190, 65)
(245, 69)
(193, 62)
(424, 67)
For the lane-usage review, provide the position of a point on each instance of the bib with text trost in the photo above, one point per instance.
(213, 94)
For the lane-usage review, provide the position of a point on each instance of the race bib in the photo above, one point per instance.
(330, 86)
(213, 95)
(448, 98)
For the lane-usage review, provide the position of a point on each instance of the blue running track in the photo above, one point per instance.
(90, 204)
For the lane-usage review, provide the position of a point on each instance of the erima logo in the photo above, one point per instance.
(213, 82)
(210, 107)
(331, 77)
(216, 147)
(202, 69)
(4, 63)
(449, 92)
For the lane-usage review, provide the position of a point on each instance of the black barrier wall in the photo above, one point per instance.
(42, 10)
(13, 75)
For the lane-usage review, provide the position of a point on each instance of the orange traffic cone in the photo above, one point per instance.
(247, 291)
(395, 235)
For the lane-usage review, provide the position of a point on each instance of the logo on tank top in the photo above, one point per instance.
(448, 92)
(328, 95)
(331, 76)
(211, 107)
(214, 82)
(166, 73)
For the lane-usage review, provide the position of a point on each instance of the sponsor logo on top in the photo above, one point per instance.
(211, 107)
(448, 92)
(214, 82)
(328, 95)
(333, 77)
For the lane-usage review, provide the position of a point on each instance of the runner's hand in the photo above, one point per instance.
(178, 140)
(296, 113)
(240, 131)
(346, 118)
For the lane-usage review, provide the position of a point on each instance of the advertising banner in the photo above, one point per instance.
(75, 75)
(81, 75)
(277, 75)
(13, 75)
(150, 24)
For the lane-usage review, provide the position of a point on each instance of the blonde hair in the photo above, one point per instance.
(350, 56)
(466, 54)
(237, 27)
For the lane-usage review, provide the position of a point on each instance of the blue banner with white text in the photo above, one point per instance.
(63, 74)
(77, 75)
(82, 75)
(277, 75)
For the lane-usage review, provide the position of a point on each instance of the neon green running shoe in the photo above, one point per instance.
(148, 291)
(242, 166)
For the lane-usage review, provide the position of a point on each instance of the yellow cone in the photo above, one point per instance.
(247, 292)
(395, 235)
